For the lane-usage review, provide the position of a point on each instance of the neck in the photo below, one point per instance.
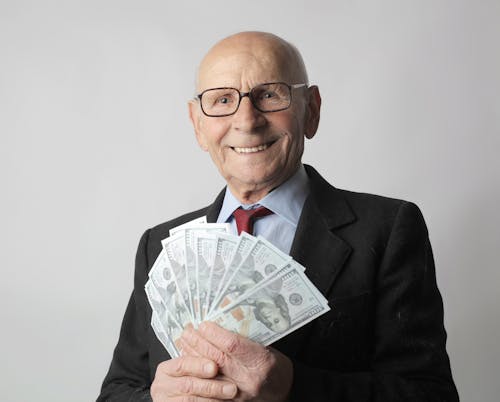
(249, 196)
(253, 193)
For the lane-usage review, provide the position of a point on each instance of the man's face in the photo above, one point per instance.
(253, 151)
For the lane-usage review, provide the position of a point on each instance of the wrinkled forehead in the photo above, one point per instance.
(244, 65)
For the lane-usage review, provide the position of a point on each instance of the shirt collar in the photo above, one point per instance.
(285, 201)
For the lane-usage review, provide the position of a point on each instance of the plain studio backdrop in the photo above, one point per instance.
(96, 146)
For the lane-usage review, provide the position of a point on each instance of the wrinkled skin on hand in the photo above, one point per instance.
(190, 378)
(261, 374)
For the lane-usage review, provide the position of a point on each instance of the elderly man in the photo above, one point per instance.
(383, 339)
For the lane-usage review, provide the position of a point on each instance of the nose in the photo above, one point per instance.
(247, 118)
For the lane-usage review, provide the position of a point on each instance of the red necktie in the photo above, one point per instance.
(245, 218)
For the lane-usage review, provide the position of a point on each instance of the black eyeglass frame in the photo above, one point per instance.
(249, 95)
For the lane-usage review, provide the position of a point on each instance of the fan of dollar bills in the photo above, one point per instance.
(242, 283)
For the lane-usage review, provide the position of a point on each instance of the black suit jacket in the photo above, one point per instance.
(383, 339)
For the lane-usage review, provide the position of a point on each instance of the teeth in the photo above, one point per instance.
(250, 150)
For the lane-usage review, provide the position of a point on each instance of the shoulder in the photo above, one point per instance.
(364, 210)
(373, 205)
(380, 214)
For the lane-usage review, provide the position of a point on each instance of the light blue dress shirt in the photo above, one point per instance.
(286, 202)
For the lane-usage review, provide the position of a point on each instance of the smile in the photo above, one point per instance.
(259, 148)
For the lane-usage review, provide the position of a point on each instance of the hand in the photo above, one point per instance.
(261, 374)
(190, 378)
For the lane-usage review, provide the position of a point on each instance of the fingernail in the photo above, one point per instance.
(228, 389)
(208, 368)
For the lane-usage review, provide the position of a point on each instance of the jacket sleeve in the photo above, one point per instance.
(128, 378)
(408, 359)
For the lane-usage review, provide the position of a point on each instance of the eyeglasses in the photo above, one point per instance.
(268, 97)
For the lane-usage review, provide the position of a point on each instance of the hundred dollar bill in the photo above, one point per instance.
(163, 336)
(242, 249)
(263, 261)
(225, 247)
(154, 298)
(175, 252)
(275, 309)
(162, 277)
(164, 327)
(205, 253)
(192, 281)
(196, 221)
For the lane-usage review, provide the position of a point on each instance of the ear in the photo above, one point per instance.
(313, 108)
(195, 117)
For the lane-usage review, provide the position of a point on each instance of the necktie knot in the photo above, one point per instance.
(245, 218)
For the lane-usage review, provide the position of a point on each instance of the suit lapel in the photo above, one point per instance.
(214, 209)
(318, 248)
(315, 245)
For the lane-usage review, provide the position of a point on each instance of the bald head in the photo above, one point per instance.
(251, 51)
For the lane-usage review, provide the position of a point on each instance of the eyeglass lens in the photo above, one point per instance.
(265, 97)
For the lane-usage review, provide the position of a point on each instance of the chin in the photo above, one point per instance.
(249, 174)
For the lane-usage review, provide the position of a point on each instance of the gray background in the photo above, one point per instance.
(96, 146)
